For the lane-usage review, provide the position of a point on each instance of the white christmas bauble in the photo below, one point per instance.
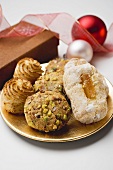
(80, 49)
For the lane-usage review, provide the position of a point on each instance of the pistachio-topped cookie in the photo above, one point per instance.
(56, 65)
(50, 82)
(48, 111)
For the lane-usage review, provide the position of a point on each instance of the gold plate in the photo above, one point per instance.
(74, 130)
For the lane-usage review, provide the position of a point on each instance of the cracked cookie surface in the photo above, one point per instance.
(48, 111)
(87, 90)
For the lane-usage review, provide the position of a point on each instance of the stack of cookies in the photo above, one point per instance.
(47, 109)
(16, 90)
(49, 98)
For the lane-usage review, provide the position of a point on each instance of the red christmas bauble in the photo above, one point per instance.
(95, 26)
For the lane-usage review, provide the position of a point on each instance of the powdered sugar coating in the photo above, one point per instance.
(85, 110)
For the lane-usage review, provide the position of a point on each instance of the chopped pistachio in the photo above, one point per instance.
(57, 122)
(53, 104)
(49, 113)
(50, 102)
(54, 69)
(45, 118)
(39, 106)
(65, 117)
(47, 101)
(30, 123)
(54, 78)
(54, 127)
(58, 115)
(44, 106)
(60, 88)
(36, 87)
(45, 110)
(47, 78)
(69, 108)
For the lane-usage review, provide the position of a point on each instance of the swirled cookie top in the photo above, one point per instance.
(14, 94)
(28, 68)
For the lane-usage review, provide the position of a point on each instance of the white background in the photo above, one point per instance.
(92, 153)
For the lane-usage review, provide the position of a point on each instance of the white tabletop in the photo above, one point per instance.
(92, 153)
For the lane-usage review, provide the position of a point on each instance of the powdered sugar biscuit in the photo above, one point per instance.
(87, 90)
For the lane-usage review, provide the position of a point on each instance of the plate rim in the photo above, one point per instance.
(54, 140)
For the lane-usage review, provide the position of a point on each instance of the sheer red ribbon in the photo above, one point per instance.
(59, 23)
